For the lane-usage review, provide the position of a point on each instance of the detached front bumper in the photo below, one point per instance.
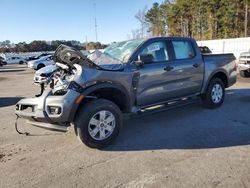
(48, 110)
(243, 67)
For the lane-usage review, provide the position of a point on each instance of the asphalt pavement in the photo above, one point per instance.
(185, 147)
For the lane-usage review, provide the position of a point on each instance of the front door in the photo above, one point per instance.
(152, 82)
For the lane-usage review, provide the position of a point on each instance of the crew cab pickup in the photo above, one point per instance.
(130, 77)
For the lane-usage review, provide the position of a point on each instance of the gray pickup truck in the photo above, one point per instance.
(131, 77)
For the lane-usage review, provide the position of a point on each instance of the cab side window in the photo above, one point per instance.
(156, 51)
(183, 49)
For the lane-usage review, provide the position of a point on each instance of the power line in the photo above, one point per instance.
(95, 23)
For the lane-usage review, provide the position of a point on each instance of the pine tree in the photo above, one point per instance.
(201, 19)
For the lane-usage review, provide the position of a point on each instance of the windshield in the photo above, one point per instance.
(122, 50)
(115, 55)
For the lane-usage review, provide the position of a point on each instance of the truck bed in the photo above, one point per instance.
(220, 62)
(219, 58)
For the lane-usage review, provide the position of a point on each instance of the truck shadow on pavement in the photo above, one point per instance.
(9, 101)
(190, 127)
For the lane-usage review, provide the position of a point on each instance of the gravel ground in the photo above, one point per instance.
(185, 147)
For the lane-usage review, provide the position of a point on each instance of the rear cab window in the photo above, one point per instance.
(183, 49)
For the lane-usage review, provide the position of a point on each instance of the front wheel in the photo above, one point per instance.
(215, 94)
(98, 123)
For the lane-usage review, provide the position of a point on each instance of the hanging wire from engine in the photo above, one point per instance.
(19, 132)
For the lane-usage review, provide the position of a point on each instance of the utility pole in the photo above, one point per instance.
(86, 43)
(246, 18)
(96, 39)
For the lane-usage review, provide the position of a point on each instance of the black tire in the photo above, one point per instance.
(40, 66)
(20, 62)
(207, 97)
(244, 73)
(88, 111)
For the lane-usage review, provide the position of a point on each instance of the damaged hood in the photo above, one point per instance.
(47, 70)
(70, 56)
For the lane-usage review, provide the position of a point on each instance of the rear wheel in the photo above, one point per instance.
(245, 73)
(98, 123)
(215, 94)
(20, 62)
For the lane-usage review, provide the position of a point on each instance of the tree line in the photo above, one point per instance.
(40, 45)
(200, 19)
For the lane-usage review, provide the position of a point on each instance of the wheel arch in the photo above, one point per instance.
(110, 91)
(117, 90)
(221, 74)
(40, 64)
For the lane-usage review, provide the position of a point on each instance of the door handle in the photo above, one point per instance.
(168, 68)
(196, 65)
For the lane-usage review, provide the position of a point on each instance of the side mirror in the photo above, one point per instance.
(146, 58)
(138, 63)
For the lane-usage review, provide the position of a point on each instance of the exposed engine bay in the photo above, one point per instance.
(69, 61)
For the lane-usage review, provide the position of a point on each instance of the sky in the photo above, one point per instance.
(28, 20)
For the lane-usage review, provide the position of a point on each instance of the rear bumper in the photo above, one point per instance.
(50, 109)
(232, 80)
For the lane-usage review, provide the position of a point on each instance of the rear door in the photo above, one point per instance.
(186, 69)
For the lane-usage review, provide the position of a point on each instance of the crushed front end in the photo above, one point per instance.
(49, 111)
(62, 87)
(55, 107)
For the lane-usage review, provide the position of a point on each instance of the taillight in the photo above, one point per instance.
(235, 66)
